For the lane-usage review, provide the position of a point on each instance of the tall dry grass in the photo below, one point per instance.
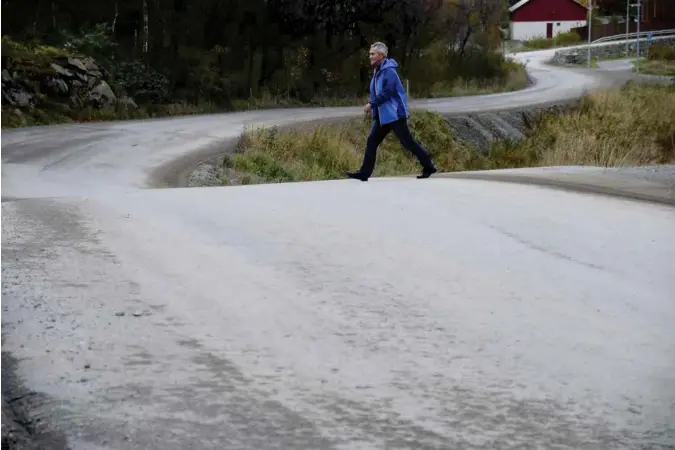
(662, 68)
(326, 151)
(631, 126)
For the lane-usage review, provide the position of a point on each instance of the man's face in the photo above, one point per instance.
(375, 57)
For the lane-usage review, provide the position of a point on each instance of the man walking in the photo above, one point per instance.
(389, 108)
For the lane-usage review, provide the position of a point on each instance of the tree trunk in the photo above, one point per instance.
(146, 27)
(53, 15)
(114, 22)
(251, 62)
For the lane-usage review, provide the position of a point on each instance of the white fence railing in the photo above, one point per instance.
(643, 35)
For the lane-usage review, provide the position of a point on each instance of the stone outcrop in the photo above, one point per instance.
(75, 82)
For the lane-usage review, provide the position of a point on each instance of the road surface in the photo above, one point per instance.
(398, 313)
(622, 65)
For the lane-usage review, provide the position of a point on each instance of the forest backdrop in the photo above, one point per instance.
(227, 54)
(221, 50)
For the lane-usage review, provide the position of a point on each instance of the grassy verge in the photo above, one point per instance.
(515, 79)
(55, 113)
(631, 126)
(660, 60)
(663, 68)
(269, 101)
(326, 151)
(559, 41)
(595, 60)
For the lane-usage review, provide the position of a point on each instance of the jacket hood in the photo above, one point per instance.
(388, 63)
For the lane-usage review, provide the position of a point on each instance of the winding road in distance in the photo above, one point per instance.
(446, 313)
(99, 157)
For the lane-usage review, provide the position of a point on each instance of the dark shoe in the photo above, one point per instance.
(357, 175)
(427, 172)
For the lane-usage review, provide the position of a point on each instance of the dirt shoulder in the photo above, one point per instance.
(15, 432)
(22, 427)
(655, 184)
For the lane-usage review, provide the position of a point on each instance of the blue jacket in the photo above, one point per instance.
(387, 96)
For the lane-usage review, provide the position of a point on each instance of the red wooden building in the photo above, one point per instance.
(545, 18)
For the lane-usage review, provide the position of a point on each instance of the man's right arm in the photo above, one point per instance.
(388, 88)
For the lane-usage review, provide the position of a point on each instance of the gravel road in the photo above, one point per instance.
(445, 313)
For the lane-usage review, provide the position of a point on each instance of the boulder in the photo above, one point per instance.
(76, 102)
(65, 84)
(14, 91)
(102, 95)
(90, 64)
(61, 71)
(93, 70)
(128, 102)
(77, 64)
(17, 97)
(569, 57)
(82, 77)
(55, 85)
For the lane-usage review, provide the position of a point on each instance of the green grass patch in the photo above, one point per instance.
(660, 60)
(663, 68)
(561, 40)
(661, 52)
(30, 54)
(596, 60)
(515, 79)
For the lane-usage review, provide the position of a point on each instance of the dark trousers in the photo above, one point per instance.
(379, 132)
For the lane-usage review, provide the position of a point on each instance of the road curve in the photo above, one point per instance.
(394, 314)
(93, 158)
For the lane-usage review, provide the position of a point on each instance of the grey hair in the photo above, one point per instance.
(380, 47)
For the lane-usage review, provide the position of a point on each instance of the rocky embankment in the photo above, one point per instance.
(482, 129)
(60, 87)
(579, 56)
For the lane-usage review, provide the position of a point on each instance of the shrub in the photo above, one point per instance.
(560, 40)
(96, 42)
(661, 52)
(143, 83)
(442, 71)
(568, 38)
(538, 43)
(28, 54)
